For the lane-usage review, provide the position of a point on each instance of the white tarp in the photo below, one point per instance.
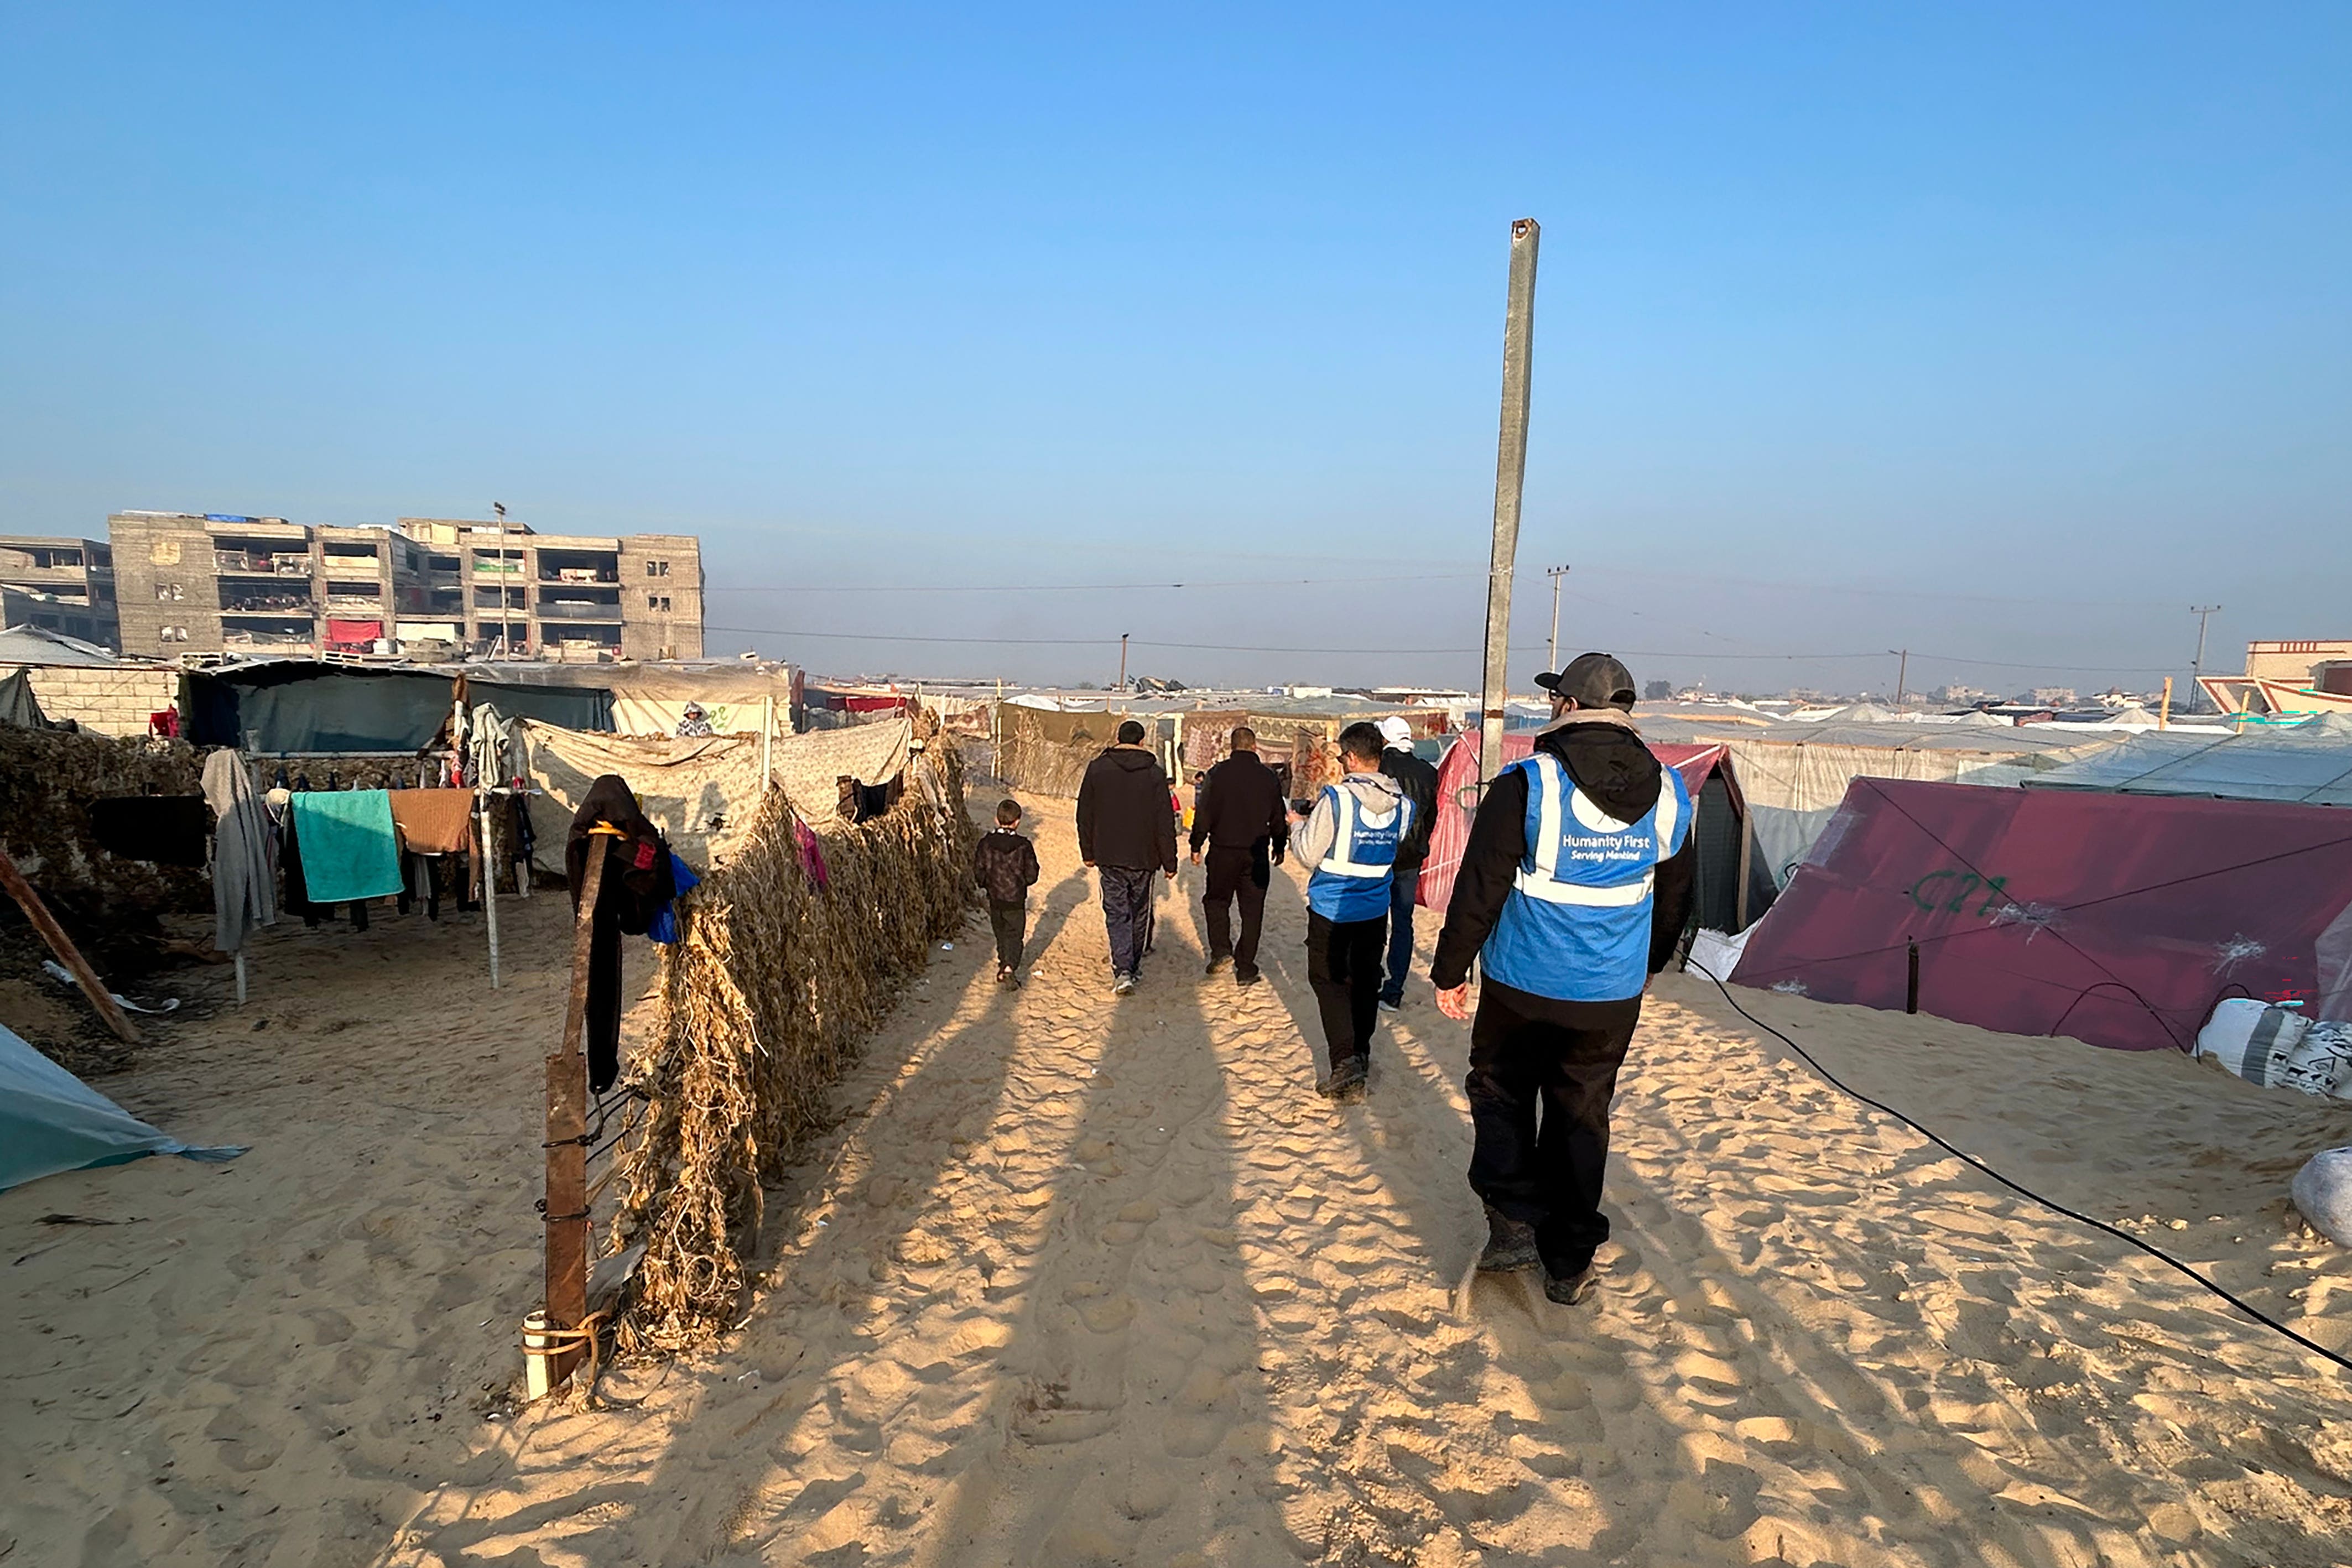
(52, 1120)
(700, 792)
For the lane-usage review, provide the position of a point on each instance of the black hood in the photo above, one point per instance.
(1134, 759)
(1609, 764)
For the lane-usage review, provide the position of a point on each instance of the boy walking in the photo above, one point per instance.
(1005, 865)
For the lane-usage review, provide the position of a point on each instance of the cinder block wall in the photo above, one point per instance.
(105, 701)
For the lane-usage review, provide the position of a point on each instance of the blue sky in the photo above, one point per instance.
(2001, 333)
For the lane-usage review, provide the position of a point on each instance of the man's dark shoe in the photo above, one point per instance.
(1217, 962)
(1346, 1083)
(1567, 1289)
(1511, 1244)
(1249, 979)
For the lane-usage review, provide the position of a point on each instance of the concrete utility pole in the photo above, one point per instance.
(1555, 573)
(2196, 665)
(1510, 481)
(1122, 661)
(1901, 672)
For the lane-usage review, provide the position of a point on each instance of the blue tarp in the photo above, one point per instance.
(52, 1120)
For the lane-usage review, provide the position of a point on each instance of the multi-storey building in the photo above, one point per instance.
(631, 596)
(62, 585)
(192, 582)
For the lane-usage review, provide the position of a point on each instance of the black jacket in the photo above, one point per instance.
(1239, 806)
(1005, 865)
(1609, 764)
(1125, 815)
(1418, 780)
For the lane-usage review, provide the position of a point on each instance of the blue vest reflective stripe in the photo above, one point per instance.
(1576, 923)
(1352, 882)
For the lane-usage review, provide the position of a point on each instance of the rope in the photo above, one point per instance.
(2053, 1205)
(555, 1340)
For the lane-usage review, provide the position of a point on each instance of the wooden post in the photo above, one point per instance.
(68, 953)
(1510, 481)
(2164, 714)
(567, 1124)
(1747, 849)
(767, 742)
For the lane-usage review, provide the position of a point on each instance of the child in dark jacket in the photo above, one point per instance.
(1005, 865)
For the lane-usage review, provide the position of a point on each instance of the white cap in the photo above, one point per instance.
(1397, 732)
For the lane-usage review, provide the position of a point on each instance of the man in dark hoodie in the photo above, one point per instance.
(1573, 890)
(1127, 830)
(1237, 812)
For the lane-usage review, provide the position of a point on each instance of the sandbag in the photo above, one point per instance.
(2254, 1040)
(2323, 1193)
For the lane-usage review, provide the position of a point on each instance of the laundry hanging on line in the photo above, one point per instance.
(350, 847)
(432, 822)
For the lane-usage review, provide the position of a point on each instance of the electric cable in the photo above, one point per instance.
(2050, 1203)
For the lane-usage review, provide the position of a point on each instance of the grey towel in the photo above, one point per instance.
(244, 895)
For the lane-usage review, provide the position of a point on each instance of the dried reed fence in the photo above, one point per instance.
(763, 1001)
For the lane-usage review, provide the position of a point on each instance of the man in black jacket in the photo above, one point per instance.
(1418, 780)
(1238, 813)
(1569, 926)
(1127, 829)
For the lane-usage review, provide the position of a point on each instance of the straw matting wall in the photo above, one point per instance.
(763, 1001)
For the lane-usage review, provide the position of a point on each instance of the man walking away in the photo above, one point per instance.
(1237, 812)
(1348, 845)
(1005, 865)
(1573, 889)
(1127, 831)
(1418, 780)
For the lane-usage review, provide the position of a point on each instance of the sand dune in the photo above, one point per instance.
(1085, 1281)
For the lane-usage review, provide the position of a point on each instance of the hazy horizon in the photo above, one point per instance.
(1993, 333)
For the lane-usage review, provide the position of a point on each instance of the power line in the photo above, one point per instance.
(1087, 586)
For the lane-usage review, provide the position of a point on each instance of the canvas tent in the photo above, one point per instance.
(2310, 766)
(650, 697)
(283, 705)
(52, 1120)
(2116, 919)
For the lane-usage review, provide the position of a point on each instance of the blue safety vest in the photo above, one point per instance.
(1352, 883)
(1576, 924)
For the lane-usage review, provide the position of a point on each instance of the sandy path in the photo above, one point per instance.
(1096, 1283)
(1086, 1281)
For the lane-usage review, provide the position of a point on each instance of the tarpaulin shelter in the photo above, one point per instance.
(52, 1120)
(702, 793)
(1705, 769)
(2116, 919)
(649, 696)
(2310, 766)
(282, 706)
(18, 705)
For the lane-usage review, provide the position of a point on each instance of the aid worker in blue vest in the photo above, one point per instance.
(1348, 844)
(1572, 891)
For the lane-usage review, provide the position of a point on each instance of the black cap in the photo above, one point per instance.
(1593, 680)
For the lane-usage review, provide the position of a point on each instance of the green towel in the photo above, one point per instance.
(347, 843)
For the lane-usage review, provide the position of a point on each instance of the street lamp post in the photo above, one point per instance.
(1555, 573)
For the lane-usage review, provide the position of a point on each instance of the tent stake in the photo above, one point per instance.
(68, 953)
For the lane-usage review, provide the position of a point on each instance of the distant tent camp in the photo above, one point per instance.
(2310, 766)
(2117, 919)
(52, 1120)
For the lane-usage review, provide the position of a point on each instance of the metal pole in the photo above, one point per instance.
(1901, 672)
(2197, 665)
(1555, 573)
(490, 881)
(1510, 481)
(767, 743)
(1122, 661)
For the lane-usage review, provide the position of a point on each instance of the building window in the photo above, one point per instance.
(658, 601)
(657, 568)
(171, 634)
(167, 593)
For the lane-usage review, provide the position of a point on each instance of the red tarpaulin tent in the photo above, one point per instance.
(1457, 777)
(2117, 919)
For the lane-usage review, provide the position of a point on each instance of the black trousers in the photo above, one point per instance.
(1343, 965)
(1528, 1053)
(1010, 924)
(1235, 874)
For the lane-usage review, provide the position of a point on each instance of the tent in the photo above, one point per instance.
(283, 705)
(2309, 765)
(1706, 770)
(649, 696)
(2117, 919)
(52, 1120)
(18, 705)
